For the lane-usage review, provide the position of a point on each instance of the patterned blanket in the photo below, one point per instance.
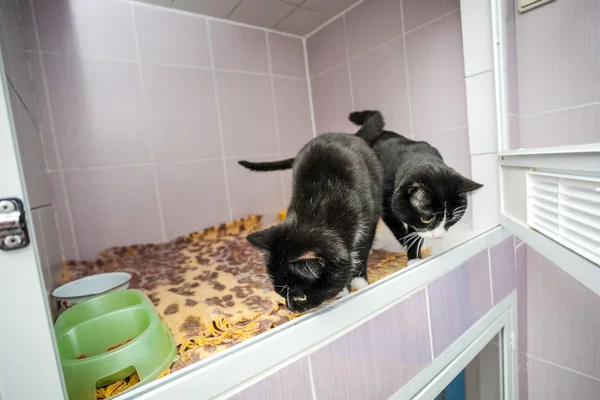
(210, 287)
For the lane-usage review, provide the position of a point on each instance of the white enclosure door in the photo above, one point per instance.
(29, 367)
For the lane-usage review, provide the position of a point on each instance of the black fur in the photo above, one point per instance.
(325, 240)
(418, 186)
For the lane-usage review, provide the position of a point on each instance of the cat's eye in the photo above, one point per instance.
(300, 299)
(426, 221)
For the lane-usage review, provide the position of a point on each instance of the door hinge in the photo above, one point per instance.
(13, 227)
(512, 341)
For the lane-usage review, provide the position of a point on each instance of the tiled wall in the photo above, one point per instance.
(145, 111)
(512, 73)
(562, 333)
(378, 357)
(521, 277)
(480, 74)
(558, 82)
(404, 58)
(22, 100)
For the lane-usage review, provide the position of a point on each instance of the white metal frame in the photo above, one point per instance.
(437, 375)
(572, 263)
(585, 159)
(27, 343)
(500, 63)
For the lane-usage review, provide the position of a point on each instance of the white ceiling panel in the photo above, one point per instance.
(213, 8)
(331, 7)
(301, 22)
(297, 17)
(164, 3)
(265, 13)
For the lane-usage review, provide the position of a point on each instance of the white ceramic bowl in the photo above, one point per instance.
(86, 288)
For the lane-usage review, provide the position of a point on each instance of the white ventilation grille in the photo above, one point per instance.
(567, 209)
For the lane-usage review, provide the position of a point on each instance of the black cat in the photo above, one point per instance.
(422, 196)
(321, 248)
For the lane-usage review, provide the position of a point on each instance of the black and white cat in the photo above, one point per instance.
(422, 196)
(321, 249)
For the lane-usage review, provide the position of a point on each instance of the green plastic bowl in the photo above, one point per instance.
(87, 331)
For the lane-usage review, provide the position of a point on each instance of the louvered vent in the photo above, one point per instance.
(567, 209)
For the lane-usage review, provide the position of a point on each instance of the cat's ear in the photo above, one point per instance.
(465, 185)
(415, 187)
(308, 266)
(263, 239)
(419, 195)
(309, 255)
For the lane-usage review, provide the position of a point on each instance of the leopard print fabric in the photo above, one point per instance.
(210, 287)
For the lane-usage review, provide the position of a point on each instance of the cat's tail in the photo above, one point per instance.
(360, 117)
(268, 166)
(371, 124)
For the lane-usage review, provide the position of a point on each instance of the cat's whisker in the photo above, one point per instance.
(287, 296)
(282, 289)
(415, 240)
(409, 243)
(409, 236)
(419, 247)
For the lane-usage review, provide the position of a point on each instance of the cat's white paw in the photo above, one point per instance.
(358, 283)
(371, 252)
(342, 293)
(413, 262)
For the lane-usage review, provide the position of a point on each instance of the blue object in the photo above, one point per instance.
(455, 390)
